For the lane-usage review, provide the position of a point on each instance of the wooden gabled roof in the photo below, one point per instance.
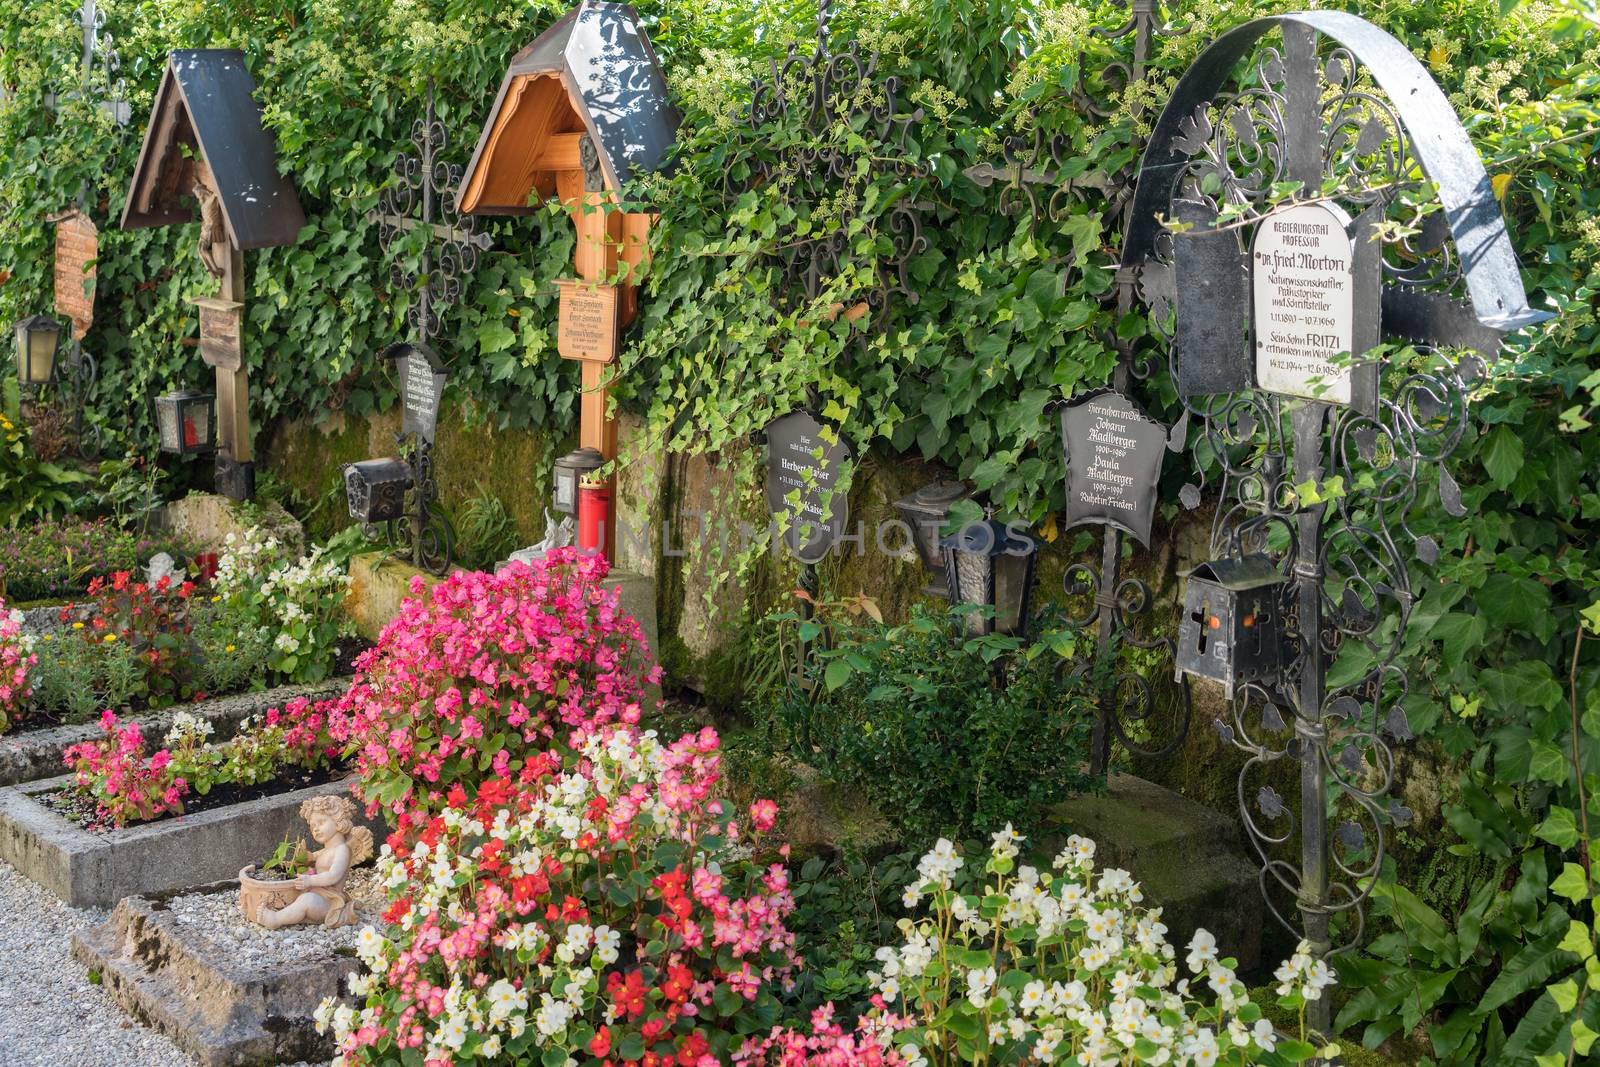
(206, 109)
(592, 72)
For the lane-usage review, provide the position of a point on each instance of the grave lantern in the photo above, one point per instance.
(375, 489)
(926, 512)
(571, 470)
(990, 564)
(1231, 630)
(184, 422)
(38, 339)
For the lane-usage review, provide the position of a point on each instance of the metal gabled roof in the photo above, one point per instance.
(206, 103)
(612, 80)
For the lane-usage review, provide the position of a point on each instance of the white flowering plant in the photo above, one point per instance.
(299, 603)
(1066, 966)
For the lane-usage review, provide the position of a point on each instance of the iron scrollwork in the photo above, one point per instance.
(425, 185)
(826, 89)
(424, 534)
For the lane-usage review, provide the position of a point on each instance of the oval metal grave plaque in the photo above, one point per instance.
(1113, 452)
(801, 459)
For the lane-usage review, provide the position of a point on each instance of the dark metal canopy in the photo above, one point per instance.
(592, 72)
(206, 104)
(1437, 139)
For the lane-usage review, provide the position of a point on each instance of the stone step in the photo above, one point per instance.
(1191, 860)
(221, 1009)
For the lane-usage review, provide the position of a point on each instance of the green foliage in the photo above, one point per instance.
(487, 533)
(288, 861)
(944, 733)
(29, 487)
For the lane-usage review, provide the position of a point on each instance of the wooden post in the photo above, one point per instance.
(606, 235)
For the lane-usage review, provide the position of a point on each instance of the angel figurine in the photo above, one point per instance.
(323, 898)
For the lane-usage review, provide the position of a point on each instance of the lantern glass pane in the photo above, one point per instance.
(167, 424)
(1010, 591)
(566, 490)
(37, 339)
(972, 586)
(197, 424)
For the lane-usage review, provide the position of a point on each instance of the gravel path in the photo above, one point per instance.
(50, 1015)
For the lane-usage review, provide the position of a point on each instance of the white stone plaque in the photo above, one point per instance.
(1302, 269)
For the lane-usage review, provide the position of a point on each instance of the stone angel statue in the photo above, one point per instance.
(323, 898)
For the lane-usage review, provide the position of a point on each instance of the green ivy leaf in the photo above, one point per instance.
(1571, 882)
(1503, 455)
(837, 673)
(1560, 828)
(1547, 762)
(1578, 941)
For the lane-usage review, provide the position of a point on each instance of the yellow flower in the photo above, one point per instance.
(77, 626)
(49, 637)
(217, 600)
(110, 638)
(228, 649)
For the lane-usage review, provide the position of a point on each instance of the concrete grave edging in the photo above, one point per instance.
(29, 755)
(209, 1003)
(97, 870)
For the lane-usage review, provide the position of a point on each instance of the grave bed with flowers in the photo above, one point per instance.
(140, 644)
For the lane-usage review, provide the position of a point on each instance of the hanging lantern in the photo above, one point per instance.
(375, 489)
(926, 512)
(1231, 629)
(987, 563)
(38, 340)
(570, 472)
(185, 422)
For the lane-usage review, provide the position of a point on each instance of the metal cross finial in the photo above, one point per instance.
(424, 180)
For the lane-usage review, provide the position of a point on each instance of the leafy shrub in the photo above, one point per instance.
(299, 606)
(483, 669)
(942, 732)
(142, 628)
(17, 660)
(487, 533)
(56, 558)
(30, 488)
(1063, 966)
(596, 903)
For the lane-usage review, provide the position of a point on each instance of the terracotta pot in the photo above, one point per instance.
(254, 892)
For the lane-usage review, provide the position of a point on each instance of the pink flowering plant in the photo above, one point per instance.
(129, 784)
(597, 901)
(1066, 966)
(484, 668)
(17, 661)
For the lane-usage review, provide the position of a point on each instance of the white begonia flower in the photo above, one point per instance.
(980, 980)
(1263, 1034)
(1003, 843)
(890, 988)
(453, 1034)
(491, 1046)
(1035, 995)
(1203, 950)
(324, 1013)
(607, 944)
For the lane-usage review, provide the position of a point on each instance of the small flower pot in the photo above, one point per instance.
(254, 892)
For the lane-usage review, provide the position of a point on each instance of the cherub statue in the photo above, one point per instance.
(344, 844)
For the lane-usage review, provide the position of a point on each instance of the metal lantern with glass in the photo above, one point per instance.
(926, 512)
(184, 422)
(992, 565)
(375, 490)
(571, 469)
(38, 341)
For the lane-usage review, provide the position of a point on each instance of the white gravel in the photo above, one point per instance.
(216, 916)
(50, 1013)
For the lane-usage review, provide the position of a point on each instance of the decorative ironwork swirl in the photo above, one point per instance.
(817, 174)
(425, 533)
(1127, 700)
(1394, 455)
(422, 195)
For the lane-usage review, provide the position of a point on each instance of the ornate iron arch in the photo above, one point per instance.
(1436, 138)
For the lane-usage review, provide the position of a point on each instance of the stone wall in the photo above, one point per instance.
(710, 640)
